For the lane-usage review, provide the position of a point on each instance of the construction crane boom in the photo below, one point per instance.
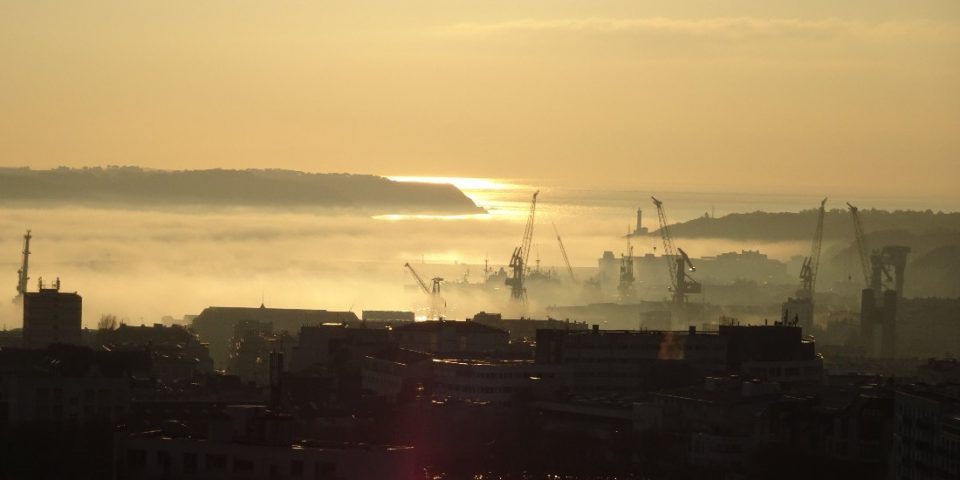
(563, 252)
(437, 303)
(808, 271)
(528, 230)
(420, 282)
(521, 255)
(680, 282)
(861, 240)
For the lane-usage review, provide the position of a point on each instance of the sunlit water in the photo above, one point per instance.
(144, 264)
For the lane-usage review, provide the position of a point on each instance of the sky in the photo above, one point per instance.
(740, 95)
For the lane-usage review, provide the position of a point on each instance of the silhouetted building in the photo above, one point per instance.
(862, 430)
(717, 419)
(384, 318)
(215, 325)
(396, 373)
(250, 349)
(51, 316)
(878, 323)
(320, 346)
(776, 353)
(631, 360)
(525, 328)
(251, 442)
(486, 380)
(927, 432)
(939, 370)
(452, 339)
(799, 312)
(627, 361)
(67, 384)
(175, 352)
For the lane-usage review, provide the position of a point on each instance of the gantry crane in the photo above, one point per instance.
(681, 284)
(808, 271)
(518, 261)
(23, 275)
(563, 252)
(437, 303)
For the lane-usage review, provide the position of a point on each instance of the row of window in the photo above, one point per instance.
(218, 463)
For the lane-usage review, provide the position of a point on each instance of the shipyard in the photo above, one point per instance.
(475, 240)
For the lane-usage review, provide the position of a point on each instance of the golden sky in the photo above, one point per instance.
(718, 95)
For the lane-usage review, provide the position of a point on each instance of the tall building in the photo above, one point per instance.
(51, 316)
(926, 439)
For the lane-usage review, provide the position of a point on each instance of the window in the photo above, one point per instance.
(136, 460)
(163, 459)
(325, 470)
(216, 462)
(242, 465)
(190, 463)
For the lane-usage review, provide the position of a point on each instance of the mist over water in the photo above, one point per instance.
(143, 264)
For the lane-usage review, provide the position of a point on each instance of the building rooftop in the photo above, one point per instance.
(461, 327)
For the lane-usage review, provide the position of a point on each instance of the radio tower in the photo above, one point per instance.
(23, 274)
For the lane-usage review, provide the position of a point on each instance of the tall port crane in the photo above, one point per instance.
(861, 240)
(563, 251)
(681, 284)
(437, 303)
(808, 271)
(625, 286)
(876, 264)
(798, 311)
(518, 261)
(23, 275)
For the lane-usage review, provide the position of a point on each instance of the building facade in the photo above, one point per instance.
(51, 316)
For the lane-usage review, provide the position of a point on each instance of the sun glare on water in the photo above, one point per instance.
(489, 193)
(463, 183)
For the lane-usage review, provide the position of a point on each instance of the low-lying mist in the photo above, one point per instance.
(143, 264)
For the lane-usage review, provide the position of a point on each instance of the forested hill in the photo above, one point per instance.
(801, 225)
(137, 187)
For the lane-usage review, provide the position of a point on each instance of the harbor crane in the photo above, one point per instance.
(678, 263)
(811, 264)
(23, 275)
(799, 311)
(877, 264)
(861, 240)
(625, 286)
(518, 261)
(563, 251)
(437, 303)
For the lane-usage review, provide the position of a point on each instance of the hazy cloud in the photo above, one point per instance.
(724, 27)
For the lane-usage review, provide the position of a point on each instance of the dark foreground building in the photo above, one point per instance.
(51, 316)
(252, 442)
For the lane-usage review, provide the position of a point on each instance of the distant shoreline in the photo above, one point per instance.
(135, 188)
(786, 226)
